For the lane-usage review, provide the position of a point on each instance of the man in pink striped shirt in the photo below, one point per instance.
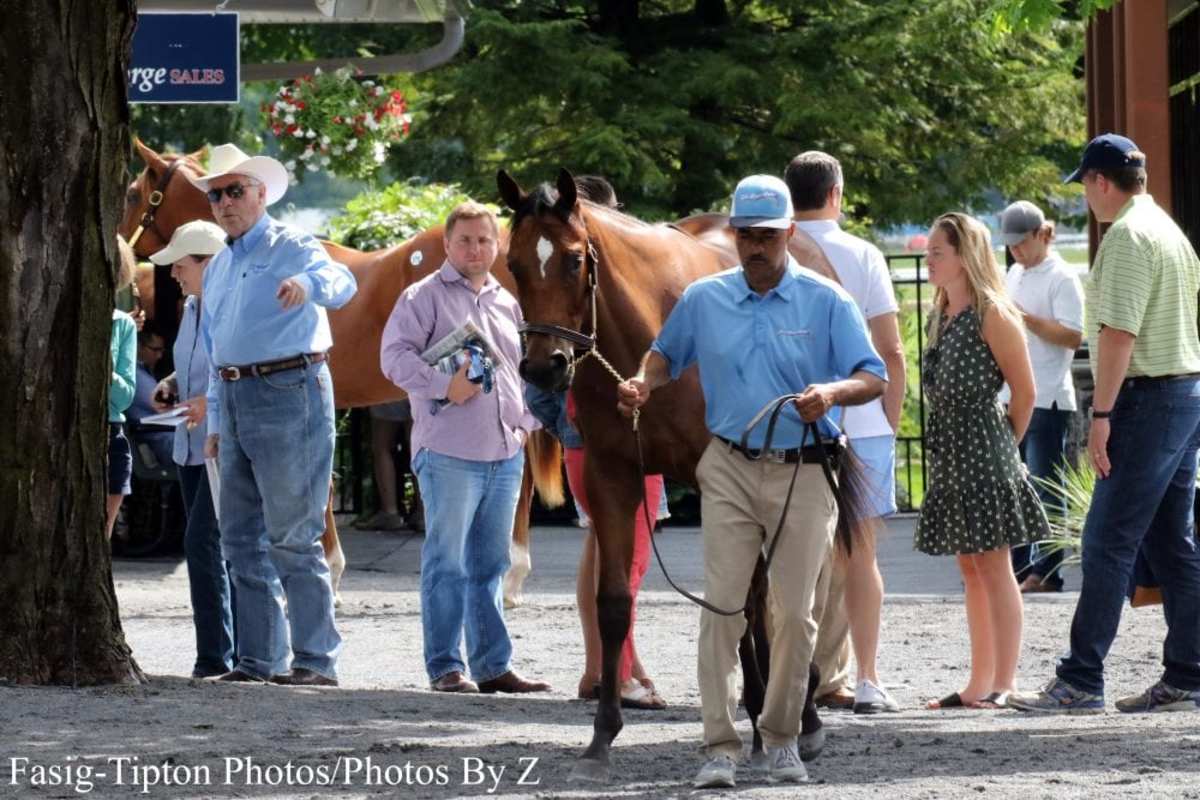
(467, 455)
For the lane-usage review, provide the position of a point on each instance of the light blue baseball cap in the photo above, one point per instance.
(761, 201)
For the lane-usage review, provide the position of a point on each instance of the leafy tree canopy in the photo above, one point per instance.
(928, 105)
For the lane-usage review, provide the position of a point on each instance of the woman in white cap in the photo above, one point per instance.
(188, 253)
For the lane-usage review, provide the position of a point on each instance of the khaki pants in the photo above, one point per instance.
(832, 654)
(741, 502)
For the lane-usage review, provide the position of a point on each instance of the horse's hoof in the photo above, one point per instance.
(758, 761)
(811, 744)
(589, 770)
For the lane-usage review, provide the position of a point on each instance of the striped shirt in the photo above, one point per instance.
(1145, 281)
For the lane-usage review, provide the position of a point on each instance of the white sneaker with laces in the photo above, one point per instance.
(872, 699)
(785, 766)
(717, 773)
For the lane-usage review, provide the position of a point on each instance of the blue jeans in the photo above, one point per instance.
(276, 454)
(1044, 451)
(212, 601)
(1145, 502)
(469, 509)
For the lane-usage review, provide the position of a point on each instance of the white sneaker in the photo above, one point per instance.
(785, 766)
(872, 699)
(716, 774)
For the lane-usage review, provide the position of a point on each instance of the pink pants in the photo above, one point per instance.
(641, 542)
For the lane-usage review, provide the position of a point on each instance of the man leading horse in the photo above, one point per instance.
(760, 331)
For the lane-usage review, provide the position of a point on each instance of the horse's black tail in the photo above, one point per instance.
(852, 498)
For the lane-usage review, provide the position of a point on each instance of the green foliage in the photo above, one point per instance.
(1038, 15)
(1072, 486)
(378, 219)
(923, 105)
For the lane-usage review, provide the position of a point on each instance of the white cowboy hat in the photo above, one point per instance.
(227, 159)
(195, 238)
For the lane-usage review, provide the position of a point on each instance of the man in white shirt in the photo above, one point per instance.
(1050, 297)
(852, 609)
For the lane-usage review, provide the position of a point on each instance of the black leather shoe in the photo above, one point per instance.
(303, 677)
(237, 676)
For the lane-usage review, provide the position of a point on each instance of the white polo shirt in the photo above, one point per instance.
(863, 272)
(1050, 290)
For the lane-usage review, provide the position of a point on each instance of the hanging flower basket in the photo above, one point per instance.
(335, 122)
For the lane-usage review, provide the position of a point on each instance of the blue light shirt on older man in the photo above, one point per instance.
(242, 321)
(754, 348)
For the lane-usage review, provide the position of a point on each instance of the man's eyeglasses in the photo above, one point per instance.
(234, 190)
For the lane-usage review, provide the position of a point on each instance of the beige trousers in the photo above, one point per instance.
(741, 502)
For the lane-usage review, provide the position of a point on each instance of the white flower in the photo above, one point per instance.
(368, 84)
(289, 119)
(370, 123)
(324, 161)
(353, 102)
(312, 167)
(311, 134)
(337, 151)
(378, 91)
(380, 152)
(324, 140)
(282, 91)
(353, 143)
(317, 71)
(290, 165)
(299, 134)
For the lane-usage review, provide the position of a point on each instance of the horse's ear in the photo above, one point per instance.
(200, 156)
(510, 190)
(568, 192)
(148, 156)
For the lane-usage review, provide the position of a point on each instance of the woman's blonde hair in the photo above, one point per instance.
(973, 243)
(126, 263)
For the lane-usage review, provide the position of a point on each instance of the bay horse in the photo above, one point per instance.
(357, 327)
(578, 265)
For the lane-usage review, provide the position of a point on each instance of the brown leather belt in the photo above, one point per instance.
(267, 367)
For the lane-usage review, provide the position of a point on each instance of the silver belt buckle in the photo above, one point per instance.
(236, 376)
(777, 456)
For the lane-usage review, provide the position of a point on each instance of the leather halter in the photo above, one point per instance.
(155, 200)
(581, 340)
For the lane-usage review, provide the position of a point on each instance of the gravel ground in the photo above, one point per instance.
(384, 734)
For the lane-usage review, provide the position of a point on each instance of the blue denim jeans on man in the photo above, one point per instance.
(1145, 502)
(276, 455)
(469, 508)
(1044, 451)
(208, 580)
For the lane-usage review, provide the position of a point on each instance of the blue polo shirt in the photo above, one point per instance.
(751, 349)
(242, 322)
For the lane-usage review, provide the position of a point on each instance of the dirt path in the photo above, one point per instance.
(385, 735)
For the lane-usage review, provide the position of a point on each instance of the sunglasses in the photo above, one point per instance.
(235, 191)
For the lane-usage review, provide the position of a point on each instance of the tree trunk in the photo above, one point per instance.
(64, 143)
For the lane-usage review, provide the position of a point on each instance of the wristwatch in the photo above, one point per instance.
(1094, 414)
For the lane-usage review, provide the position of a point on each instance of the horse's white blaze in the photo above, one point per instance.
(544, 251)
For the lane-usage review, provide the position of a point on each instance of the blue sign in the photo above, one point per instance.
(185, 58)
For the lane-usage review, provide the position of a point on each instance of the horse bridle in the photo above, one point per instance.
(582, 341)
(155, 200)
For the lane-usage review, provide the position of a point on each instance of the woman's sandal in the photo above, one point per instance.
(995, 700)
(949, 701)
(643, 696)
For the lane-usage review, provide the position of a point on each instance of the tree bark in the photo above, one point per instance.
(64, 143)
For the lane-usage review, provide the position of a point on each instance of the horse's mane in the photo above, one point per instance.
(542, 200)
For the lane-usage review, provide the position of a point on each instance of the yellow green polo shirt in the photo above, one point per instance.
(1145, 281)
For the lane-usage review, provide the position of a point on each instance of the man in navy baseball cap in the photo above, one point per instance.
(1107, 151)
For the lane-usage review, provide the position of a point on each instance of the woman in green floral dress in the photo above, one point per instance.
(979, 500)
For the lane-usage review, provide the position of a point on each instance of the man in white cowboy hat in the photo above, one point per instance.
(270, 418)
